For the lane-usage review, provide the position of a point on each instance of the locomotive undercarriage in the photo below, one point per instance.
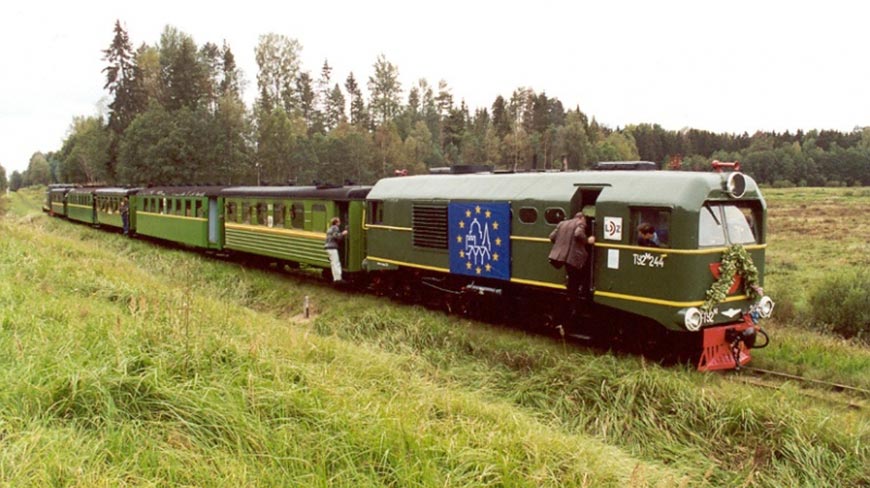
(547, 312)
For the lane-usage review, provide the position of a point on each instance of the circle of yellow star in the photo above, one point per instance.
(459, 239)
(462, 254)
(498, 241)
(477, 209)
(494, 225)
(488, 267)
(495, 257)
(488, 214)
(477, 270)
(468, 213)
(468, 264)
(461, 224)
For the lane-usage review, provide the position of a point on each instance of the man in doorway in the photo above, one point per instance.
(334, 237)
(569, 247)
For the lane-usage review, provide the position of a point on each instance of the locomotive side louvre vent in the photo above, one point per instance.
(430, 226)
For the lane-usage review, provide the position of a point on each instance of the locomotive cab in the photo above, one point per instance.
(688, 253)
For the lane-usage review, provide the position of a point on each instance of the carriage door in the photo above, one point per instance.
(584, 201)
(345, 224)
(212, 220)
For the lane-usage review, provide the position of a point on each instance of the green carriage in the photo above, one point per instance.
(108, 206)
(289, 223)
(192, 216)
(80, 205)
(56, 203)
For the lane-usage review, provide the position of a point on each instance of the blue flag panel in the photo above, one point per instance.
(480, 243)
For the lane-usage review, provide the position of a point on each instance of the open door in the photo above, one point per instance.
(584, 201)
(342, 213)
(212, 221)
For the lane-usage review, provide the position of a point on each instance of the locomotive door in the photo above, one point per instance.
(584, 201)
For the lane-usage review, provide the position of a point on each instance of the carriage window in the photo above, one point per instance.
(710, 230)
(187, 209)
(651, 227)
(297, 215)
(262, 211)
(231, 212)
(528, 215)
(554, 215)
(199, 211)
(246, 213)
(279, 214)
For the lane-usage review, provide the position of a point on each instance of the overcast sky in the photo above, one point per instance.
(727, 66)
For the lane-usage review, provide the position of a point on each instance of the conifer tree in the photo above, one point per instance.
(358, 114)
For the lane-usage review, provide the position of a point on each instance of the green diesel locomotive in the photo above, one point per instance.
(487, 234)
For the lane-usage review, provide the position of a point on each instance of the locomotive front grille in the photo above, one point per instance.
(429, 224)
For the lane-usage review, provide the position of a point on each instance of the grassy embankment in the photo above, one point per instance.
(127, 363)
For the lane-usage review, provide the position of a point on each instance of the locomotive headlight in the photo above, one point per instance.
(735, 185)
(765, 307)
(693, 319)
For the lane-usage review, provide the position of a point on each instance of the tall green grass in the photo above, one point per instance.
(117, 369)
(122, 362)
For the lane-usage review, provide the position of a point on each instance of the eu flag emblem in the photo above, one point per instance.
(479, 237)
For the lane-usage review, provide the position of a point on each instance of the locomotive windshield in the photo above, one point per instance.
(726, 224)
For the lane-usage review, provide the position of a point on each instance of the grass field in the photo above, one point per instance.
(126, 363)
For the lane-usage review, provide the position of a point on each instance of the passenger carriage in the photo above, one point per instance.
(192, 216)
(80, 205)
(55, 199)
(108, 206)
(289, 223)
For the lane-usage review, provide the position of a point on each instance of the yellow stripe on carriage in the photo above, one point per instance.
(668, 250)
(278, 230)
(154, 214)
(658, 301)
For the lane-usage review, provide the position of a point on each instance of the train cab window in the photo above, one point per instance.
(710, 229)
(651, 227)
(297, 215)
(528, 215)
(740, 225)
(554, 215)
(727, 224)
(376, 210)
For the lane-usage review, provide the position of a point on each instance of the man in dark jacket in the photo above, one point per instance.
(569, 247)
(334, 236)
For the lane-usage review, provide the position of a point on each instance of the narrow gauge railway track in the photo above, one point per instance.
(854, 397)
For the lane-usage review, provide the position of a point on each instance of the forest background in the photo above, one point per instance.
(176, 116)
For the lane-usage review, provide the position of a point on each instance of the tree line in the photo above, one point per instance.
(176, 116)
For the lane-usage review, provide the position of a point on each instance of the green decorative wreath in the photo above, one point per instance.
(735, 260)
